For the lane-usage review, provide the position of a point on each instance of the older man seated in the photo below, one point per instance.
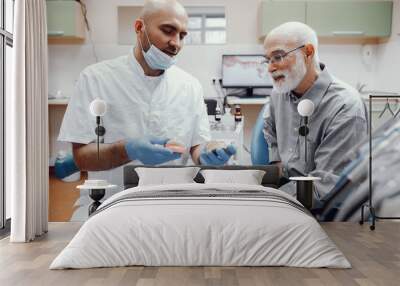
(339, 120)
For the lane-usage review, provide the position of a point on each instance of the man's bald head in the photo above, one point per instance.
(153, 7)
(163, 24)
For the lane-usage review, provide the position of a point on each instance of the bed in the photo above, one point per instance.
(201, 224)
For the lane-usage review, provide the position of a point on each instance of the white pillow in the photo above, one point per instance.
(166, 176)
(249, 177)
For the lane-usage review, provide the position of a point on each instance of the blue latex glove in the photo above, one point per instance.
(65, 166)
(217, 156)
(149, 152)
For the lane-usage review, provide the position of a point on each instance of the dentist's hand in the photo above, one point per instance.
(218, 156)
(149, 152)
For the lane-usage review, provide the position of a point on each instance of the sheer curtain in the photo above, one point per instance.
(27, 122)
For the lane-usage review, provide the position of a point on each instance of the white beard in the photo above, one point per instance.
(291, 78)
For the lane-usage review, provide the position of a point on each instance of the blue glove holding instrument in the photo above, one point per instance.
(218, 156)
(149, 152)
(64, 165)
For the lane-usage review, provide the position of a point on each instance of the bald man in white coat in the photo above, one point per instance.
(149, 99)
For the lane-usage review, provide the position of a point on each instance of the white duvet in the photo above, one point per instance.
(183, 231)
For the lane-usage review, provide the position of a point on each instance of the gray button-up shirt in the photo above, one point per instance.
(338, 123)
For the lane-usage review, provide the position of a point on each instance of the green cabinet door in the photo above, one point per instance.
(350, 18)
(274, 13)
(62, 18)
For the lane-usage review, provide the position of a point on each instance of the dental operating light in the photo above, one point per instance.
(98, 108)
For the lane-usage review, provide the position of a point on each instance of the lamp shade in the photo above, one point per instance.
(305, 107)
(98, 107)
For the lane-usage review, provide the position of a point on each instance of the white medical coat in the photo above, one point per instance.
(167, 106)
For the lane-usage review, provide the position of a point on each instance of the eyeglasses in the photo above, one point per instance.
(278, 58)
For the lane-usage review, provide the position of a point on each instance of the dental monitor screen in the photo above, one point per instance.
(245, 71)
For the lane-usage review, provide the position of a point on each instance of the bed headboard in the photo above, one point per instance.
(270, 179)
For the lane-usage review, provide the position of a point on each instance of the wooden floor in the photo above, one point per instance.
(374, 255)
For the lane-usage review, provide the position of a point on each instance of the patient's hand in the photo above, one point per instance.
(216, 155)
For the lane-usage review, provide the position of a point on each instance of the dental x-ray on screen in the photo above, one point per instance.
(245, 71)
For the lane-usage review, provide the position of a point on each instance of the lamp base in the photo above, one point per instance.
(96, 195)
(304, 190)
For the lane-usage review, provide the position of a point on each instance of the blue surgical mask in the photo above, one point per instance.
(155, 58)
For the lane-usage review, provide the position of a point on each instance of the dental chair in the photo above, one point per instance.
(259, 147)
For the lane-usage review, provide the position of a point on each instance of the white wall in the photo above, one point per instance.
(204, 62)
(66, 61)
(343, 60)
(388, 57)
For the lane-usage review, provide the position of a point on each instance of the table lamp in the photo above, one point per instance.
(304, 185)
(98, 108)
